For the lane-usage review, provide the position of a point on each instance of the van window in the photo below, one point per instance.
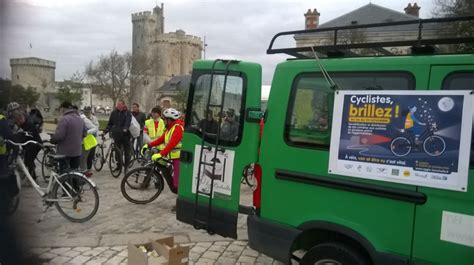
(231, 126)
(461, 81)
(309, 113)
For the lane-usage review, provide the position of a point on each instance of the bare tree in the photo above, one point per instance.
(457, 8)
(110, 76)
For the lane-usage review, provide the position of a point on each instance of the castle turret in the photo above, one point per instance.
(159, 14)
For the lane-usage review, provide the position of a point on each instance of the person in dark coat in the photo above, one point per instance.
(118, 126)
(21, 121)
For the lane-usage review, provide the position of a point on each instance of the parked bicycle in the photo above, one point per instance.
(248, 176)
(74, 195)
(112, 155)
(47, 163)
(433, 145)
(144, 184)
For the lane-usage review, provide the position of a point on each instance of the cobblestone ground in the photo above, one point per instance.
(103, 239)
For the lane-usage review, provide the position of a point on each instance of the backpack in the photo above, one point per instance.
(37, 119)
(134, 128)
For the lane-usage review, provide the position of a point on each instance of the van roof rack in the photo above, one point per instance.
(338, 49)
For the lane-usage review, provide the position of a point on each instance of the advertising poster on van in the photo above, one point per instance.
(414, 137)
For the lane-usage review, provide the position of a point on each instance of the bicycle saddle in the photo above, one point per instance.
(57, 157)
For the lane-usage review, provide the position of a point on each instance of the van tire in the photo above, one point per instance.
(334, 253)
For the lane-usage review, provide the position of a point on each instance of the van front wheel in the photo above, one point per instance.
(333, 254)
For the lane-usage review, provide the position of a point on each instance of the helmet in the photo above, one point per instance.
(12, 106)
(171, 114)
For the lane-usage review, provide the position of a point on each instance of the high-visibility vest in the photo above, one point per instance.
(176, 152)
(3, 147)
(153, 132)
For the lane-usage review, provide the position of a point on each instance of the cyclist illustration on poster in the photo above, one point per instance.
(408, 137)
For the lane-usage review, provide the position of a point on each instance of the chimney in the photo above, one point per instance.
(413, 10)
(311, 19)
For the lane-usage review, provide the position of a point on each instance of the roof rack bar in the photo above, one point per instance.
(418, 42)
(374, 45)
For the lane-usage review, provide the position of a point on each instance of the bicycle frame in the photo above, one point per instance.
(43, 192)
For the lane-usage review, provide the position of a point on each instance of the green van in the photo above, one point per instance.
(302, 213)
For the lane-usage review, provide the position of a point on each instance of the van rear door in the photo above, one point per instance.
(220, 140)
(443, 226)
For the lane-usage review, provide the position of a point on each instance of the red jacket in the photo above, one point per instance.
(174, 139)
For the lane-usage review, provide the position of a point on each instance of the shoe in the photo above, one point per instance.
(88, 174)
(173, 209)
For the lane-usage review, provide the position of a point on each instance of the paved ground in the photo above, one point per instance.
(103, 239)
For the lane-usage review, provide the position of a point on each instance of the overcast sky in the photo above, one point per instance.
(74, 32)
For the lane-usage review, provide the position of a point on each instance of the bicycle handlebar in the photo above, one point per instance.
(23, 144)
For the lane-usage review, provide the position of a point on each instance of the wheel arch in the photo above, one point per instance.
(315, 232)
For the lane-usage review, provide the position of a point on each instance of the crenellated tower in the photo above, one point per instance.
(168, 54)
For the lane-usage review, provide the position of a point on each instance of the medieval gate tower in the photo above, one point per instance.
(171, 53)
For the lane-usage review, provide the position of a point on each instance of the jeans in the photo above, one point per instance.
(69, 163)
(139, 142)
(31, 151)
(83, 159)
(124, 145)
(90, 158)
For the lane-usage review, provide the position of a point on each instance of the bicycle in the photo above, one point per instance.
(136, 158)
(433, 145)
(248, 176)
(47, 164)
(66, 191)
(113, 155)
(144, 184)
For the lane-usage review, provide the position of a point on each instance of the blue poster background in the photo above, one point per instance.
(417, 131)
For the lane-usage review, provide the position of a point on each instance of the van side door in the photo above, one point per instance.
(220, 139)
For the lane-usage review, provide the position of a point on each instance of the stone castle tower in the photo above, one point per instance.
(37, 73)
(170, 54)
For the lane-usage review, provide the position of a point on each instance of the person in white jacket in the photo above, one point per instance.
(91, 129)
(95, 121)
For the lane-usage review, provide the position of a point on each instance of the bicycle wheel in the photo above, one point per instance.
(78, 200)
(141, 185)
(115, 162)
(400, 146)
(99, 159)
(434, 145)
(47, 163)
(249, 177)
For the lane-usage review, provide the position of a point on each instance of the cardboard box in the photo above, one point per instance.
(169, 253)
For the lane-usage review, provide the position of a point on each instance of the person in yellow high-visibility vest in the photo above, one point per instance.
(155, 126)
(171, 140)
